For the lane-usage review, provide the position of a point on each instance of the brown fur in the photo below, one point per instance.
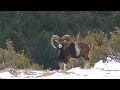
(84, 50)
(67, 49)
(68, 52)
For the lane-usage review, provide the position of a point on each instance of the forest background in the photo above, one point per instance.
(30, 32)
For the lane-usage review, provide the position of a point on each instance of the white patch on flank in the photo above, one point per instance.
(77, 49)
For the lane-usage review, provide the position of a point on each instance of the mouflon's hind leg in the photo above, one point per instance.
(71, 63)
(86, 63)
(64, 66)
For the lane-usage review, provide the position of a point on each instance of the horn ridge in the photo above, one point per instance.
(54, 37)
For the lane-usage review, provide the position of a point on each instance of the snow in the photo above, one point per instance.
(102, 70)
(6, 75)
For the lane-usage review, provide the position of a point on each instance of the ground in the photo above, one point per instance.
(107, 70)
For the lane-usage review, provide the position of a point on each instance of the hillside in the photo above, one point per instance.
(107, 70)
(30, 31)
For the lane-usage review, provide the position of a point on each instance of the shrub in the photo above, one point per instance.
(9, 58)
(115, 42)
(15, 60)
(100, 46)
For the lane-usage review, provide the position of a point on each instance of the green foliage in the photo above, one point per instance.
(101, 46)
(115, 42)
(31, 31)
(98, 53)
(15, 60)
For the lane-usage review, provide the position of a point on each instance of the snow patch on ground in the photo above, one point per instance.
(107, 70)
